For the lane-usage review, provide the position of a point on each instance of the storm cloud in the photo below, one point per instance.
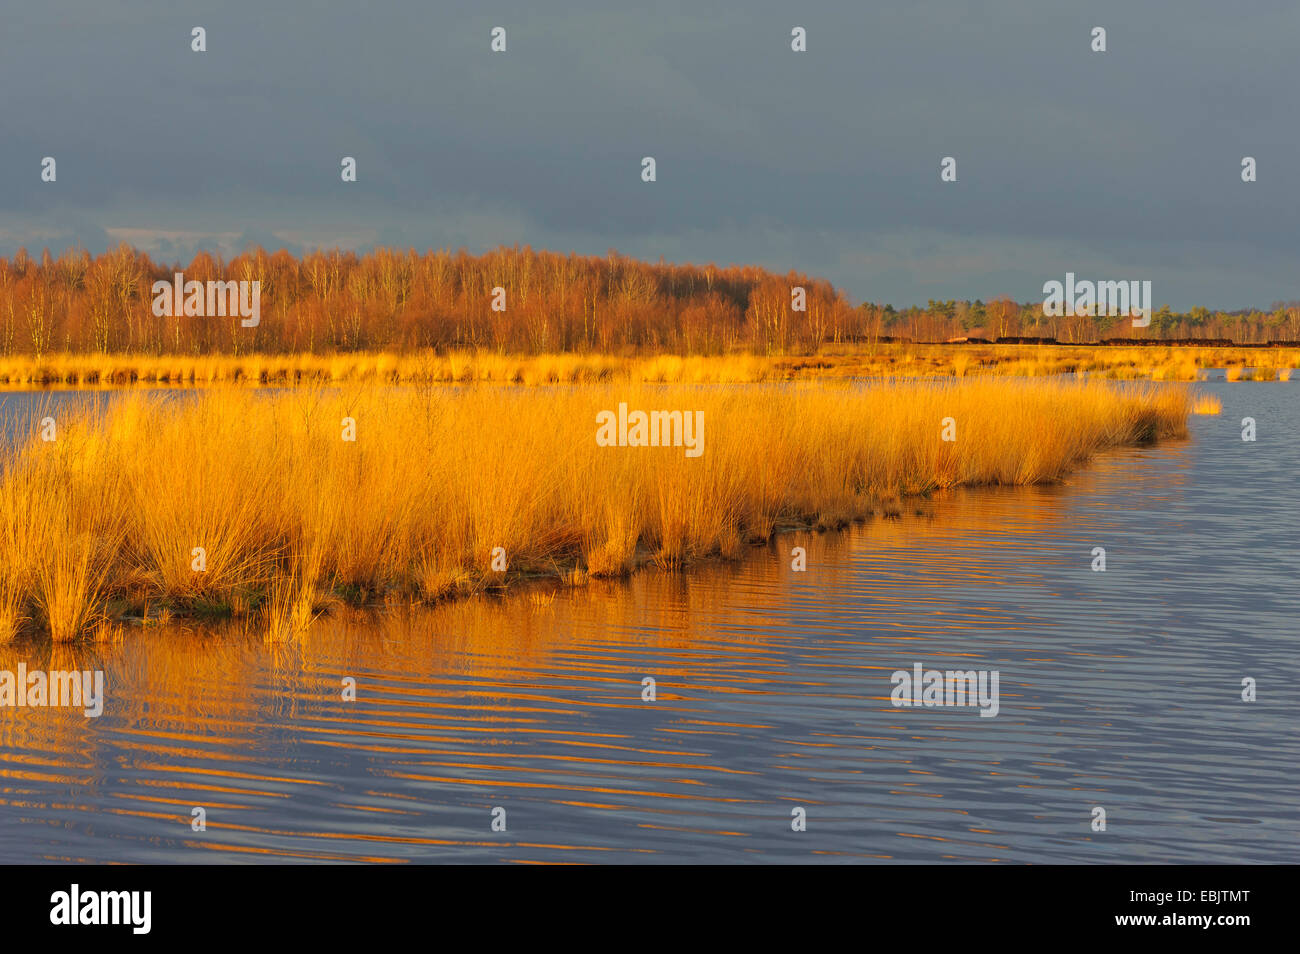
(1123, 164)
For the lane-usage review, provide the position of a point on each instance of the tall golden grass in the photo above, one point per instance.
(106, 520)
(423, 367)
(1207, 404)
(469, 366)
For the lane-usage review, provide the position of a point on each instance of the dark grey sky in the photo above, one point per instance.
(1124, 164)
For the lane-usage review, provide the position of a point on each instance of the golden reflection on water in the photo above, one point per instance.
(524, 702)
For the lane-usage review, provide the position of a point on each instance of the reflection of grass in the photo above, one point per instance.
(289, 515)
(1161, 363)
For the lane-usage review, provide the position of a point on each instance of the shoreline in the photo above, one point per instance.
(278, 506)
(544, 587)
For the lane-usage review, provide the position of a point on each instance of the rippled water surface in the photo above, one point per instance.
(1119, 690)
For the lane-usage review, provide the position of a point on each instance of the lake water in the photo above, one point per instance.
(1119, 689)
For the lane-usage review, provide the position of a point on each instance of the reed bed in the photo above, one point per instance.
(453, 367)
(286, 516)
(467, 367)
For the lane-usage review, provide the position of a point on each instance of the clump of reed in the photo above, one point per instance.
(1207, 404)
(257, 504)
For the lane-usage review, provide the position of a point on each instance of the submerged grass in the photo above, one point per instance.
(256, 504)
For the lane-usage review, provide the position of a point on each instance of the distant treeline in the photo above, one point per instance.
(1009, 322)
(332, 301)
(340, 301)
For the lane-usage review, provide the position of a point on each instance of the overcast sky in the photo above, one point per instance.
(1115, 165)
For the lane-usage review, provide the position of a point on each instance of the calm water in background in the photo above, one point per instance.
(1118, 689)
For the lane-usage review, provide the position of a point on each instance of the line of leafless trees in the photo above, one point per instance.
(330, 301)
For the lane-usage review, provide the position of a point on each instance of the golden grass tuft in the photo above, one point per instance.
(1207, 404)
